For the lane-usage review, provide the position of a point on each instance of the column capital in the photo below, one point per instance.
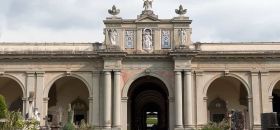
(171, 99)
(264, 73)
(30, 74)
(40, 74)
(250, 99)
(118, 72)
(124, 99)
(205, 99)
(198, 72)
(187, 72)
(90, 98)
(254, 73)
(270, 98)
(177, 72)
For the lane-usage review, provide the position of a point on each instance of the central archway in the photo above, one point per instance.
(148, 104)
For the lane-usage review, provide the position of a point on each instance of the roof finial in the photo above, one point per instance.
(181, 11)
(114, 11)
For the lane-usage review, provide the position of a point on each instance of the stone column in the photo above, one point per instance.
(24, 105)
(39, 93)
(178, 100)
(251, 114)
(188, 105)
(90, 111)
(270, 104)
(107, 99)
(256, 99)
(117, 99)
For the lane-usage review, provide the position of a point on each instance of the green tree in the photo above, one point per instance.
(3, 107)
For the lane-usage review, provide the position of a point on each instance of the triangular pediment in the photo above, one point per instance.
(147, 19)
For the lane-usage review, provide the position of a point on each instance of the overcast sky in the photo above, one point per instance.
(81, 20)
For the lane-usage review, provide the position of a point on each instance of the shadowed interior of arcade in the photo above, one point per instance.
(65, 91)
(226, 95)
(276, 100)
(148, 104)
(12, 92)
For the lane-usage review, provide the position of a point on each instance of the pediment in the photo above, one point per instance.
(148, 19)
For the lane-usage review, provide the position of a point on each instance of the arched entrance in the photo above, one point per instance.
(148, 104)
(65, 91)
(226, 94)
(276, 100)
(12, 92)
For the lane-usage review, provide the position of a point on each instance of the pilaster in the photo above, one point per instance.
(39, 92)
(255, 86)
(30, 93)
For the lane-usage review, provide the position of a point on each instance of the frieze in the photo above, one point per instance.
(113, 25)
(181, 25)
(147, 25)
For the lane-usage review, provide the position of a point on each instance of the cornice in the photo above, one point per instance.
(238, 55)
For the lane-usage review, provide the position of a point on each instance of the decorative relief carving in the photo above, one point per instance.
(113, 35)
(147, 40)
(165, 39)
(129, 39)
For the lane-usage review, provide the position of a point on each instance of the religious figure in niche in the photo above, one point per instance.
(148, 4)
(182, 37)
(113, 35)
(147, 39)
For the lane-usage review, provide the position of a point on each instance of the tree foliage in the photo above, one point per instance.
(3, 107)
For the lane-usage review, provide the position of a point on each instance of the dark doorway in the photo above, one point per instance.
(148, 104)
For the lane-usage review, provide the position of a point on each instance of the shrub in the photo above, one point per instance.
(3, 107)
(223, 125)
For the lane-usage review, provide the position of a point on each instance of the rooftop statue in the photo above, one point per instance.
(181, 10)
(148, 4)
(114, 11)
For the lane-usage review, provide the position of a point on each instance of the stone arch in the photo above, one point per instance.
(49, 85)
(272, 85)
(14, 78)
(243, 81)
(127, 85)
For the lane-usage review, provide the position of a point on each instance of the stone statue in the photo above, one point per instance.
(147, 39)
(114, 11)
(148, 4)
(182, 37)
(36, 114)
(113, 35)
(181, 10)
(69, 124)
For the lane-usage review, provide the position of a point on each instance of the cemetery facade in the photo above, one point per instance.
(146, 69)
